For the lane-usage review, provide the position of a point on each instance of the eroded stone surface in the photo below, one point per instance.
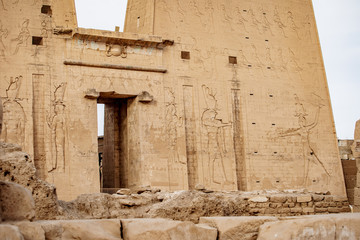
(246, 228)
(16, 202)
(105, 229)
(17, 167)
(338, 226)
(31, 230)
(201, 121)
(149, 229)
(9, 232)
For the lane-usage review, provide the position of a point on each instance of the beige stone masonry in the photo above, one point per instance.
(231, 95)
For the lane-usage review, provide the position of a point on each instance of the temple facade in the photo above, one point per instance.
(229, 94)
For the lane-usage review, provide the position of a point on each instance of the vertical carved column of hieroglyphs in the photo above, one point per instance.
(39, 124)
(190, 136)
(237, 136)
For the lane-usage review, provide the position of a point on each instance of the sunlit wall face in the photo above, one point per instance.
(339, 35)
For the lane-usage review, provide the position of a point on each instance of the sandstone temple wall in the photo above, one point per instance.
(231, 95)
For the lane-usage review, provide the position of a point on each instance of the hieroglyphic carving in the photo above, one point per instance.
(307, 28)
(291, 24)
(3, 5)
(3, 34)
(240, 19)
(278, 21)
(24, 34)
(253, 20)
(310, 158)
(116, 50)
(56, 122)
(227, 19)
(216, 146)
(266, 26)
(14, 114)
(173, 122)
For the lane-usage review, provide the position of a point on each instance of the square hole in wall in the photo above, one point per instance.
(185, 55)
(37, 40)
(232, 60)
(46, 9)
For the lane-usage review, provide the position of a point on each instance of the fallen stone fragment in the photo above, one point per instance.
(9, 232)
(150, 229)
(334, 226)
(105, 229)
(16, 202)
(245, 228)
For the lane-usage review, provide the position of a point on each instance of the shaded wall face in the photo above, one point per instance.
(264, 122)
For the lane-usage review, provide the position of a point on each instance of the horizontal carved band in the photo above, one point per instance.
(115, 66)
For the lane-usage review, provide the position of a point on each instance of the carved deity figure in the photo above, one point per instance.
(278, 21)
(292, 25)
(173, 121)
(13, 114)
(56, 123)
(23, 35)
(310, 157)
(216, 146)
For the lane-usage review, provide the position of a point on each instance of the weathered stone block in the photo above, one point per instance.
(9, 232)
(278, 198)
(308, 210)
(296, 210)
(104, 229)
(31, 230)
(236, 227)
(16, 202)
(259, 199)
(304, 198)
(321, 210)
(301, 228)
(333, 210)
(149, 229)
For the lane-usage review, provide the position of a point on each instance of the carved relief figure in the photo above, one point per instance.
(266, 26)
(116, 50)
(292, 25)
(23, 35)
(253, 20)
(227, 19)
(2, 5)
(3, 34)
(240, 19)
(310, 157)
(307, 28)
(279, 22)
(56, 122)
(173, 122)
(216, 146)
(14, 114)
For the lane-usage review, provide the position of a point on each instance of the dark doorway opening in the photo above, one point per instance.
(113, 160)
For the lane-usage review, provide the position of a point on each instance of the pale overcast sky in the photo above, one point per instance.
(339, 29)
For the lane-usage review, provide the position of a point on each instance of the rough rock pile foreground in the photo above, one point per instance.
(332, 226)
(17, 167)
(146, 213)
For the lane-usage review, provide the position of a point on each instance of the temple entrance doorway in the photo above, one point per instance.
(113, 146)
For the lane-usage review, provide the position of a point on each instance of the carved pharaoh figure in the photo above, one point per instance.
(216, 146)
(13, 114)
(23, 35)
(310, 158)
(56, 123)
